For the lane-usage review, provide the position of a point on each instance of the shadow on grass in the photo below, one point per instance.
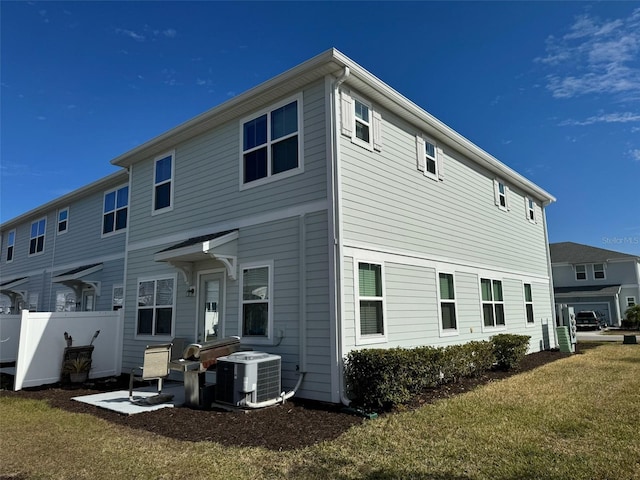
(584, 346)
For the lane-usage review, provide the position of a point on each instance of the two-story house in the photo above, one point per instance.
(321, 212)
(590, 278)
(68, 255)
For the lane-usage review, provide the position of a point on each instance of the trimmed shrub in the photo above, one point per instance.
(380, 378)
(509, 349)
(632, 319)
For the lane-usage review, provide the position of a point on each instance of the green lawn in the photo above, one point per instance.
(577, 418)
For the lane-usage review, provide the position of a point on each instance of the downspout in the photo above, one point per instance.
(337, 226)
(550, 271)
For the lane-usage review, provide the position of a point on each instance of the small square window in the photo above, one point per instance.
(599, 271)
(581, 272)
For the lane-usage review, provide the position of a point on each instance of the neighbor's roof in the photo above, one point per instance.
(587, 291)
(576, 253)
(329, 63)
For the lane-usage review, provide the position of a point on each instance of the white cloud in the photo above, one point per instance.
(147, 33)
(635, 154)
(595, 57)
(604, 118)
(138, 37)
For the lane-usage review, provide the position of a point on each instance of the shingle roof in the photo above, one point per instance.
(576, 253)
(78, 270)
(604, 290)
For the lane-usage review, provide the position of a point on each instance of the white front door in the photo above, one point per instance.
(210, 306)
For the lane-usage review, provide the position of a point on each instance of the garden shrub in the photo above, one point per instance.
(632, 319)
(380, 378)
(509, 349)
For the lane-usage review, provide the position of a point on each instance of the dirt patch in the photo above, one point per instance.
(295, 424)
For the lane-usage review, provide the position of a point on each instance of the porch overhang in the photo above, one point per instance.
(15, 288)
(74, 278)
(587, 291)
(220, 246)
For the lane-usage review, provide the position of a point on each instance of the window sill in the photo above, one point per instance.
(272, 178)
(449, 333)
(162, 210)
(371, 339)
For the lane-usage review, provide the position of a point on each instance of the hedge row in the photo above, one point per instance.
(380, 378)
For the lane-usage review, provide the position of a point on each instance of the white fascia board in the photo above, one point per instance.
(77, 275)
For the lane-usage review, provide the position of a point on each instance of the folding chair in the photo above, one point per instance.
(155, 367)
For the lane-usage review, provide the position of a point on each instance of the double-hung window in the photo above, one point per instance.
(63, 220)
(429, 156)
(117, 299)
(11, 241)
(501, 194)
(36, 242)
(530, 206)
(116, 206)
(257, 295)
(360, 122)
(631, 301)
(598, 271)
(271, 143)
(163, 183)
(528, 303)
(156, 305)
(492, 302)
(447, 303)
(370, 300)
(581, 272)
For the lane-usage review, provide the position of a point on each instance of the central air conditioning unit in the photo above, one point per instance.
(247, 377)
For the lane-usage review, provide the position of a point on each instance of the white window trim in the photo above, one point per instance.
(372, 338)
(524, 297)
(575, 272)
(630, 301)
(421, 158)
(58, 232)
(496, 193)
(529, 211)
(494, 328)
(172, 154)
(269, 339)
(113, 291)
(604, 271)
(300, 132)
(138, 336)
(104, 200)
(348, 121)
(44, 238)
(448, 332)
(13, 250)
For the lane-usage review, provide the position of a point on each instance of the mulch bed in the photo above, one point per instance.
(296, 424)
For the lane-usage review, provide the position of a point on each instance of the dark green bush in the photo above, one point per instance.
(509, 349)
(379, 379)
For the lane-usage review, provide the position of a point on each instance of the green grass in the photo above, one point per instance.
(577, 418)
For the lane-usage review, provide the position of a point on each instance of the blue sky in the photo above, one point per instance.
(551, 89)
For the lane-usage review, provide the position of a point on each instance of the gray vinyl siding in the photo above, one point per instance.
(412, 307)
(81, 244)
(207, 175)
(277, 242)
(617, 273)
(388, 203)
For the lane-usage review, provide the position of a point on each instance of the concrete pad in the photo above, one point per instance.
(118, 401)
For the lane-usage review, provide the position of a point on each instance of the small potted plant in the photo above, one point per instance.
(78, 369)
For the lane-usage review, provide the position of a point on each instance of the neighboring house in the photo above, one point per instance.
(590, 278)
(321, 212)
(68, 254)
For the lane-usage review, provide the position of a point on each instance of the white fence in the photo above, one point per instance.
(40, 348)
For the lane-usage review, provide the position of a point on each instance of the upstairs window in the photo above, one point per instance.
(631, 301)
(581, 272)
(598, 271)
(11, 241)
(492, 302)
(501, 195)
(271, 143)
(36, 243)
(530, 206)
(63, 220)
(115, 211)
(163, 183)
(528, 303)
(360, 122)
(447, 303)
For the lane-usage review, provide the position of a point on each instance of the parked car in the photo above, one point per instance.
(588, 319)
